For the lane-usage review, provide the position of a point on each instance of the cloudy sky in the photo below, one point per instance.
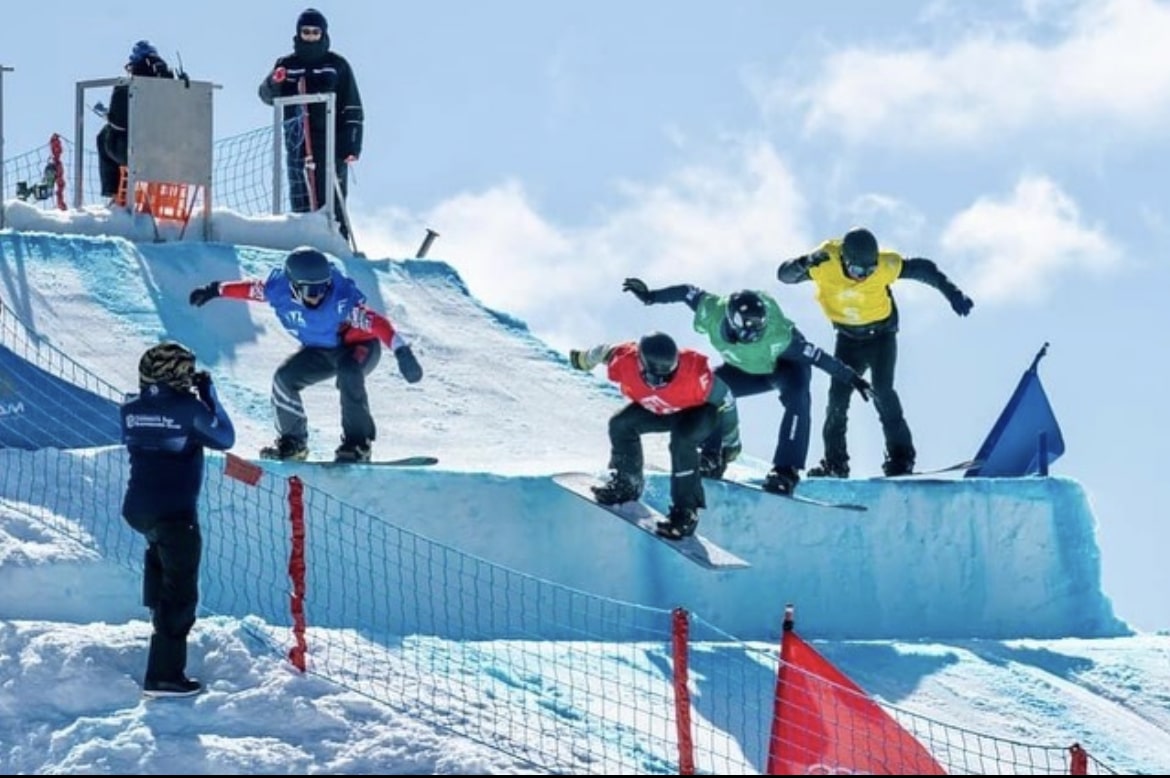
(558, 150)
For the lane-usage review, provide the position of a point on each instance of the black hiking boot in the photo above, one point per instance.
(827, 469)
(183, 687)
(352, 451)
(781, 480)
(680, 523)
(286, 448)
(621, 487)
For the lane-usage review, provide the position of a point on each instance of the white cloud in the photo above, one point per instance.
(1110, 64)
(723, 223)
(1019, 245)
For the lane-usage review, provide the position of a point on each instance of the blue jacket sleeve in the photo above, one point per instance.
(801, 350)
(212, 425)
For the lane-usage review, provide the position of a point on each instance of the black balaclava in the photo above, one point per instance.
(311, 51)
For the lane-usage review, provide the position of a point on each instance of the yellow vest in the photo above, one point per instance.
(848, 301)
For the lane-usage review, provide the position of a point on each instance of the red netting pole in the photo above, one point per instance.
(1078, 760)
(682, 695)
(55, 148)
(296, 570)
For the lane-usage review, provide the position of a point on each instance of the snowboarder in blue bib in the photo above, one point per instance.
(762, 351)
(341, 338)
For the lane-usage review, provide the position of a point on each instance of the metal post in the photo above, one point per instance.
(426, 244)
(3, 69)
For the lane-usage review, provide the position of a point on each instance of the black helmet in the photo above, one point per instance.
(167, 363)
(658, 357)
(309, 275)
(859, 252)
(747, 316)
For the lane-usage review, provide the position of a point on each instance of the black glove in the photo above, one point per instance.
(203, 388)
(407, 365)
(818, 257)
(862, 386)
(638, 288)
(961, 303)
(201, 295)
(713, 464)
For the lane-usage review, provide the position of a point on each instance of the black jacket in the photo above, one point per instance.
(115, 134)
(313, 69)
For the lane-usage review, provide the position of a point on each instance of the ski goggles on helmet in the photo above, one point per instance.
(747, 329)
(654, 379)
(311, 290)
(657, 373)
(859, 271)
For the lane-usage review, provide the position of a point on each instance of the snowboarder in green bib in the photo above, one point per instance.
(762, 351)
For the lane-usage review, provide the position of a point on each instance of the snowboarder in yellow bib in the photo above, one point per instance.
(853, 279)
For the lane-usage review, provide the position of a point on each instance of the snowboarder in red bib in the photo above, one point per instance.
(670, 390)
(341, 337)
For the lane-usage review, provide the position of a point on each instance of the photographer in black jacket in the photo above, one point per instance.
(165, 429)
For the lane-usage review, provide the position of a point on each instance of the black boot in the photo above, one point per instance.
(680, 523)
(827, 469)
(621, 487)
(352, 451)
(781, 480)
(286, 447)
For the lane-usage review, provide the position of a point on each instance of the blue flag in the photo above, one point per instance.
(1026, 437)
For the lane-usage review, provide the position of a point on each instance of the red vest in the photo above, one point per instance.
(690, 386)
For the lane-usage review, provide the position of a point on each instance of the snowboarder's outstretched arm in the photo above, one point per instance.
(682, 293)
(247, 289)
(587, 359)
(794, 271)
(926, 272)
(364, 321)
(801, 350)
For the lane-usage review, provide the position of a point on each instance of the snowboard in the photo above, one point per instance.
(415, 461)
(800, 498)
(696, 548)
(935, 471)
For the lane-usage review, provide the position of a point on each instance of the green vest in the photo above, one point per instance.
(758, 358)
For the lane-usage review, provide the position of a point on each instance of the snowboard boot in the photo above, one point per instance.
(897, 466)
(183, 687)
(621, 487)
(680, 523)
(827, 469)
(286, 448)
(352, 451)
(781, 480)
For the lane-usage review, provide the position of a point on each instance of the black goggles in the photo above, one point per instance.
(859, 271)
(745, 330)
(656, 380)
(311, 290)
(750, 333)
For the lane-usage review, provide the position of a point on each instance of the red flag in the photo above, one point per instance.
(824, 724)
